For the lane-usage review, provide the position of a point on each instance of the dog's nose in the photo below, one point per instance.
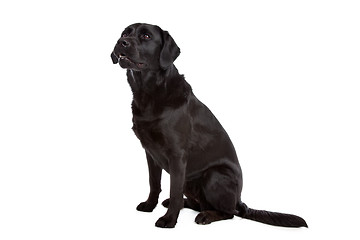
(125, 43)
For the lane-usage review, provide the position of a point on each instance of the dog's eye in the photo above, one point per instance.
(146, 36)
(124, 35)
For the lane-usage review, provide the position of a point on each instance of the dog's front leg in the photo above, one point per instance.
(177, 179)
(155, 186)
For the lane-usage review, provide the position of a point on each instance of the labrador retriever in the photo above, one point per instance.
(182, 136)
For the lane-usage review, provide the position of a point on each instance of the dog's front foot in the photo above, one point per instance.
(166, 222)
(146, 206)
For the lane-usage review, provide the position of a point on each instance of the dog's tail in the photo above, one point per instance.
(272, 218)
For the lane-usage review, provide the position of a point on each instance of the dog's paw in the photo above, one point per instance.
(166, 203)
(203, 218)
(146, 207)
(207, 217)
(165, 222)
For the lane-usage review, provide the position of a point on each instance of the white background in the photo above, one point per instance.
(281, 76)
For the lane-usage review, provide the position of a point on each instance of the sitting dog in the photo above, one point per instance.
(182, 136)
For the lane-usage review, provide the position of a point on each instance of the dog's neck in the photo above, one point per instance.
(166, 88)
(149, 80)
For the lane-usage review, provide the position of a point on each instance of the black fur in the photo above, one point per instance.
(181, 135)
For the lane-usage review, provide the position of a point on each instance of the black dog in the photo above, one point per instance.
(182, 136)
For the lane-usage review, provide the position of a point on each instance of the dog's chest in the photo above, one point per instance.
(149, 133)
(153, 140)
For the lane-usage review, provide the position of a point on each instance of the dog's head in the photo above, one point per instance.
(145, 47)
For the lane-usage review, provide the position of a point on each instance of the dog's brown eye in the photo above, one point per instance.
(146, 36)
(125, 35)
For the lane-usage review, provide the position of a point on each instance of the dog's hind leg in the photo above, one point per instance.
(220, 191)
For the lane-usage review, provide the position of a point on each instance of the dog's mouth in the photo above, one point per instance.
(123, 56)
(125, 59)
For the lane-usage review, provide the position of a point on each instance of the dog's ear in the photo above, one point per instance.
(114, 58)
(169, 52)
